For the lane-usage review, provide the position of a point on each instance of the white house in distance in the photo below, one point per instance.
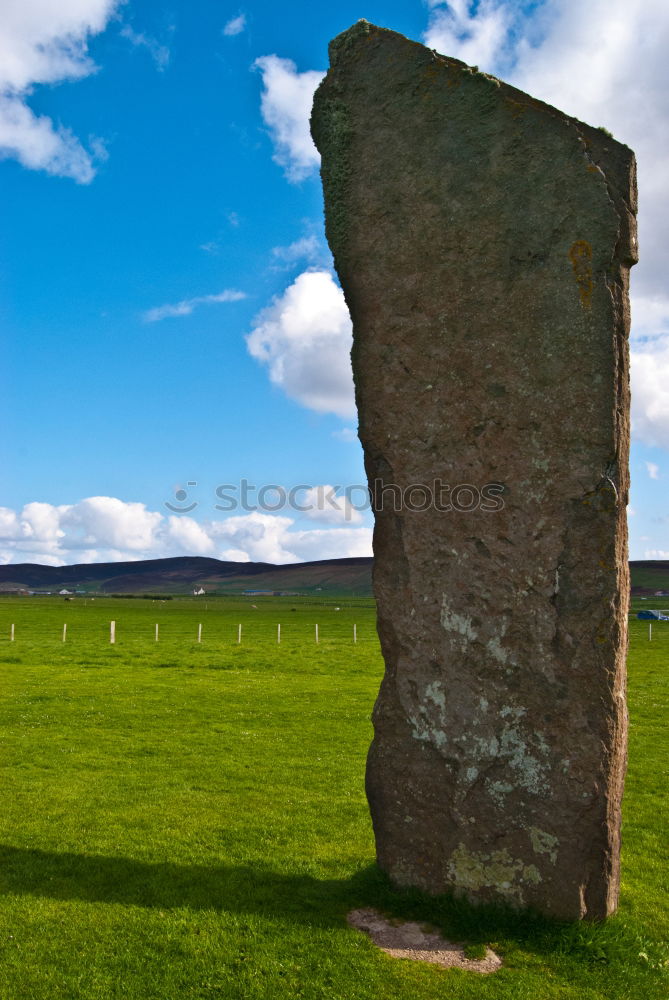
(63, 592)
(198, 591)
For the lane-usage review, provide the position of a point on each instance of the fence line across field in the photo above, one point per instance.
(174, 632)
(249, 633)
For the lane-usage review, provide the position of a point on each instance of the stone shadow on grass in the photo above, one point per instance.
(318, 902)
(168, 885)
(304, 898)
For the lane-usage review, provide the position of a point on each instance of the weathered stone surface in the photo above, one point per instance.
(483, 241)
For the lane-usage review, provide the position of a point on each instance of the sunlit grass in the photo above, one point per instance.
(184, 820)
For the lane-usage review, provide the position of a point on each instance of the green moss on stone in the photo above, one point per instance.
(332, 131)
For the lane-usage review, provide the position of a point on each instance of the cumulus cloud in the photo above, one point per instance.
(108, 523)
(285, 106)
(474, 33)
(307, 248)
(159, 53)
(46, 43)
(650, 398)
(653, 470)
(332, 544)
(324, 503)
(106, 529)
(304, 337)
(186, 306)
(235, 26)
(650, 318)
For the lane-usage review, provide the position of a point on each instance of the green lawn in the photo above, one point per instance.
(184, 820)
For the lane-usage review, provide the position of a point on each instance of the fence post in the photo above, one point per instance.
(650, 631)
(11, 634)
(112, 632)
(199, 633)
(317, 633)
(239, 634)
(278, 633)
(355, 633)
(156, 631)
(64, 632)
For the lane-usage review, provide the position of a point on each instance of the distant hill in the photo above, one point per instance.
(649, 576)
(183, 574)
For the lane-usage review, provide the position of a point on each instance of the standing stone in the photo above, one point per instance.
(483, 240)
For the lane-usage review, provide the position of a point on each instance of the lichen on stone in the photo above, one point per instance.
(544, 843)
(472, 871)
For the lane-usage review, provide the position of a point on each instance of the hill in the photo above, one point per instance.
(649, 576)
(182, 574)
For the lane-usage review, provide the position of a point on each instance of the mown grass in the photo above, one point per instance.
(184, 820)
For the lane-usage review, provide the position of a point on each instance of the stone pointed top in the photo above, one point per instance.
(362, 32)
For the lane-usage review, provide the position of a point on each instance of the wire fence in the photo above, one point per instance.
(649, 630)
(228, 632)
(200, 633)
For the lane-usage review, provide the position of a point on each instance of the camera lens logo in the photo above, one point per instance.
(181, 496)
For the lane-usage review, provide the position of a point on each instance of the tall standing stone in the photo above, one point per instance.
(483, 240)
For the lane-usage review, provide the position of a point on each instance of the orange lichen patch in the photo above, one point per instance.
(431, 75)
(580, 255)
(518, 108)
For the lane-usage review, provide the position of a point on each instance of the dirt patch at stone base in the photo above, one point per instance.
(409, 940)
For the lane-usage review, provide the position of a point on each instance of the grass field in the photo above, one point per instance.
(184, 820)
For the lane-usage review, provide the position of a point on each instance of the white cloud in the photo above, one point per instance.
(650, 398)
(332, 544)
(650, 318)
(345, 434)
(186, 306)
(304, 337)
(108, 523)
(656, 554)
(327, 506)
(307, 248)
(473, 35)
(42, 42)
(40, 522)
(235, 26)
(234, 555)
(263, 537)
(190, 536)
(10, 527)
(159, 53)
(286, 108)
(106, 529)
(653, 470)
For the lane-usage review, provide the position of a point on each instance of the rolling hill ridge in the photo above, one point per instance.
(182, 574)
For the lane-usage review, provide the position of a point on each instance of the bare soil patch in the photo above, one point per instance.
(410, 940)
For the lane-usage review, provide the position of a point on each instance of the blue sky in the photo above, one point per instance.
(167, 305)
